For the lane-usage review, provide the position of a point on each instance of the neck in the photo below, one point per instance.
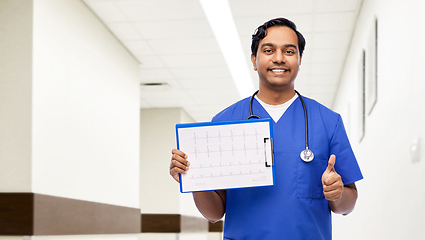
(273, 97)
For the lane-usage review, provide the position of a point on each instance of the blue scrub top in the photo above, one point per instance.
(295, 207)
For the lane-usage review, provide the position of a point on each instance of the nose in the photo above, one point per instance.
(279, 57)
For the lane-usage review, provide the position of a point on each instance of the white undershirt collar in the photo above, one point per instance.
(276, 111)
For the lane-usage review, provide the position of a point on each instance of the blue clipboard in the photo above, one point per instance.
(227, 155)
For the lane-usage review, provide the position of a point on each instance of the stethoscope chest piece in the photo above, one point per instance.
(307, 155)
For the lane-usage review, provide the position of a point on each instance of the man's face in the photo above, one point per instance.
(278, 59)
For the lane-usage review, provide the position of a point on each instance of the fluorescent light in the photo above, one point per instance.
(221, 21)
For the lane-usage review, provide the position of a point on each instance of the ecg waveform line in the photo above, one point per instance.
(203, 166)
(233, 150)
(232, 135)
(226, 175)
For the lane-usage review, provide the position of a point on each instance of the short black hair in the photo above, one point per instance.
(261, 32)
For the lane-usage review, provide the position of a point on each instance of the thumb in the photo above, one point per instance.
(331, 163)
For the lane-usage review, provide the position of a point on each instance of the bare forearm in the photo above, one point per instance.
(211, 204)
(346, 203)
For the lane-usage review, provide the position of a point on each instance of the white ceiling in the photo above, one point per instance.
(174, 44)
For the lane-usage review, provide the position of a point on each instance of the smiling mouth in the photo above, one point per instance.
(279, 70)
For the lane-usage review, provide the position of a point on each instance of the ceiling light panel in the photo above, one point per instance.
(274, 8)
(332, 22)
(184, 46)
(337, 5)
(330, 40)
(246, 25)
(201, 73)
(327, 55)
(159, 10)
(194, 60)
(184, 29)
(304, 22)
(205, 85)
(325, 68)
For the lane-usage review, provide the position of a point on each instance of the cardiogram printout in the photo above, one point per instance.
(226, 155)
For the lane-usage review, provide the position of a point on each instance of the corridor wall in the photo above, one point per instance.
(391, 196)
(69, 121)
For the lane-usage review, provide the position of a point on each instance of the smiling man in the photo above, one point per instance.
(308, 189)
(277, 59)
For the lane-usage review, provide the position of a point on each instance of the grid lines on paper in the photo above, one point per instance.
(224, 151)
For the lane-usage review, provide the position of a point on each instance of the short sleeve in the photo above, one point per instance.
(346, 163)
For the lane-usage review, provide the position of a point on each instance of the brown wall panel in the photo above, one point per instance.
(216, 227)
(16, 213)
(38, 214)
(58, 216)
(171, 223)
(161, 223)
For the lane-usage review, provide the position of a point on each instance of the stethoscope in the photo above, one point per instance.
(306, 155)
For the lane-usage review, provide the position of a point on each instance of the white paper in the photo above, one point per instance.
(226, 156)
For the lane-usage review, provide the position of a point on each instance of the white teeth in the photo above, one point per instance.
(279, 70)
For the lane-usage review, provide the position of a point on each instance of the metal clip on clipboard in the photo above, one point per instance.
(268, 151)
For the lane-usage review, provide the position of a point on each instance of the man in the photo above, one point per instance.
(299, 205)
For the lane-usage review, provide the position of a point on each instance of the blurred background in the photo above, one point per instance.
(91, 90)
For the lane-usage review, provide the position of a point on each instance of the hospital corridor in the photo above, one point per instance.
(91, 92)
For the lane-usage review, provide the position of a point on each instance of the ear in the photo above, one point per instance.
(254, 60)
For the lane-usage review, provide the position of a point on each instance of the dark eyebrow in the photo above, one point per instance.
(272, 45)
(266, 45)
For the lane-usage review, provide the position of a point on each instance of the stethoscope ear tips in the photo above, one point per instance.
(307, 155)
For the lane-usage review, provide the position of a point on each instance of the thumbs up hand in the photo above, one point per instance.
(332, 182)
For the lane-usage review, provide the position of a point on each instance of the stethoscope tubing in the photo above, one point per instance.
(251, 115)
(305, 118)
(306, 155)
